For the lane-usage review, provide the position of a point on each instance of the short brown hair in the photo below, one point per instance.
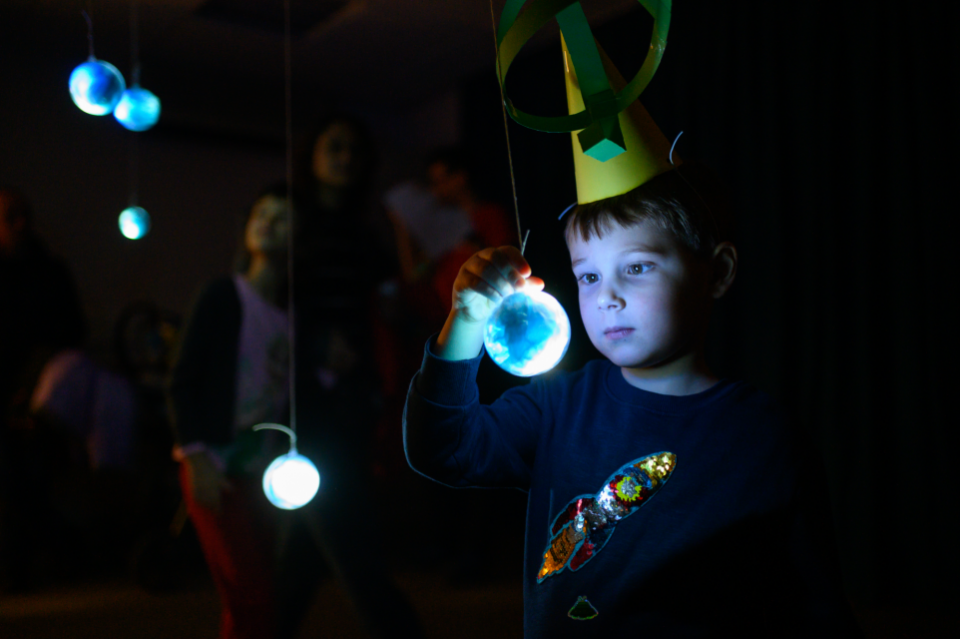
(671, 200)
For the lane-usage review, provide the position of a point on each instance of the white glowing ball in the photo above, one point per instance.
(134, 222)
(291, 481)
(528, 333)
(138, 109)
(96, 87)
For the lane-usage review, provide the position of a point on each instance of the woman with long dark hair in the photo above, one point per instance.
(341, 257)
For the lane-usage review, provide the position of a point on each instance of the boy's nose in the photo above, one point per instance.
(608, 299)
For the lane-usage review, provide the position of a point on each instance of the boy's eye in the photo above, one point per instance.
(588, 278)
(638, 269)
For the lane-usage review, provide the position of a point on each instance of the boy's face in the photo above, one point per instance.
(644, 300)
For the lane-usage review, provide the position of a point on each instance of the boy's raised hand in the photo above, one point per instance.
(484, 280)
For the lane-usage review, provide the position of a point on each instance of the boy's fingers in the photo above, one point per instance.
(497, 272)
(516, 259)
(507, 267)
(487, 270)
(474, 282)
(534, 283)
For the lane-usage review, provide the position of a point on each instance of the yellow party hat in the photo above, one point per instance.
(647, 150)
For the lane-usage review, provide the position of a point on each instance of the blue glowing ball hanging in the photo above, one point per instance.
(96, 86)
(138, 109)
(528, 333)
(134, 222)
(291, 481)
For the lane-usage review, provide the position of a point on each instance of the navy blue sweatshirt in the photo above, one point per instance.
(648, 514)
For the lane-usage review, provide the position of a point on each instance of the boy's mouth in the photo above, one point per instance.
(617, 332)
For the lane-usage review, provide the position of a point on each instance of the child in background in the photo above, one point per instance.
(438, 227)
(231, 374)
(439, 222)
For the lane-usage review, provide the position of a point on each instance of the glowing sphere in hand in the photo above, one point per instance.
(96, 87)
(291, 481)
(138, 109)
(528, 333)
(134, 222)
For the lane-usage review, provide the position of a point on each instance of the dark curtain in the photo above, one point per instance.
(834, 125)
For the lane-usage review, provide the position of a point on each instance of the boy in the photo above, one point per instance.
(662, 501)
(724, 545)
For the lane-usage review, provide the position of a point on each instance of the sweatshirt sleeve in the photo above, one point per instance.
(452, 438)
(201, 388)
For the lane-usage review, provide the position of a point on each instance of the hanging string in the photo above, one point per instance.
(135, 72)
(135, 169)
(134, 43)
(506, 130)
(86, 16)
(288, 124)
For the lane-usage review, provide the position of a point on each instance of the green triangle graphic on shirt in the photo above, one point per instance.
(582, 610)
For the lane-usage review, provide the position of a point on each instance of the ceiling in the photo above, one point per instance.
(390, 54)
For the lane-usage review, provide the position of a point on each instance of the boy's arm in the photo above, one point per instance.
(447, 434)
(451, 438)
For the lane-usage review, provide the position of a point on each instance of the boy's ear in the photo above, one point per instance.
(724, 269)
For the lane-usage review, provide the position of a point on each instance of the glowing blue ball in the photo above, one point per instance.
(528, 333)
(291, 481)
(134, 222)
(96, 86)
(138, 109)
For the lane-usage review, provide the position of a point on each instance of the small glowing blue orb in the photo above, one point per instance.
(528, 333)
(134, 222)
(291, 481)
(96, 86)
(138, 109)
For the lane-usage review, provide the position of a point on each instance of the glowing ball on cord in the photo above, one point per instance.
(96, 87)
(134, 222)
(138, 109)
(528, 333)
(291, 481)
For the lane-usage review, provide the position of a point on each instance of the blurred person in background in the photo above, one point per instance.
(232, 373)
(439, 221)
(343, 256)
(40, 315)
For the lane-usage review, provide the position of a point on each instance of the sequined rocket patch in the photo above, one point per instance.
(582, 610)
(585, 525)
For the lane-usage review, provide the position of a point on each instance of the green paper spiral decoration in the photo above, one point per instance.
(599, 126)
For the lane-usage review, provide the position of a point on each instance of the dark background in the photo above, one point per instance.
(834, 125)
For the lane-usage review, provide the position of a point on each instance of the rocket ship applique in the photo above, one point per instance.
(585, 525)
